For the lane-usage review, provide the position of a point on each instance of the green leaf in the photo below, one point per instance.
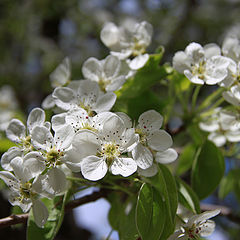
(208, 170)
(187, 197)
(150, 217)
(122, 216)
(186, 158)
(56, 213)
(165, 184)
(230, 183)
(5, 144)
(145, 77)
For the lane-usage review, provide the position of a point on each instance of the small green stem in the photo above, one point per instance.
(195, 96)
(207, 102)
(109, 235)
(75, 179)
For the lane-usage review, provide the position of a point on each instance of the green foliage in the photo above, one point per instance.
(165, 184)
(230, 183)
(187, 197)
(208, 169)
(150, 213)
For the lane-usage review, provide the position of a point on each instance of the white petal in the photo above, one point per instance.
(181, 61)
(209, 126)
(233, 136)
(144, 31)
(16, 130)
(88, 89)
(166, 156)
(8, 156)
(92, 69)
(111, 66)
(195, 52)
(35, 118)
(105, 102)
(63, 137)
(85, 143)
(10, 180)
(34, 162)
(61, 75)
(22, 172)
(203, 216)
(217, 138)
(40, 213)
(211, 49)
(123, 166)
(48, 102)
(113, 125)
(139, 61)
(123, 54)
(192, 78)
(160, 140)
(63, 97)
(207, 228)
(229, 97)
(110, 34)
(56, 181)
(142, 156)
(126, 119)
(93, 168)
(58, 121)
(116, 84)
(150, 120)
(41, 136)
(149, 172)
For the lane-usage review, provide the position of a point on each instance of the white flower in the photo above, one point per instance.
(24, 190)
(153, 142)
(202, 64)
(106, 150)
(223, 126)
(233, 95)
(85, 95)
(62, 74)
(51, 154)
(231, 48)
(197, 226)
(105, 72)
(125, 42)
(18, 133)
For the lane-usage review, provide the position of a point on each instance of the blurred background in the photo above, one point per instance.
(35, 36)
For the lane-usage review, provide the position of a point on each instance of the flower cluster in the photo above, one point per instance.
(195, 226)
(83, 135)
(214, 65)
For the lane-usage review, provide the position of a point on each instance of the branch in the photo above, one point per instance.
(22, 218)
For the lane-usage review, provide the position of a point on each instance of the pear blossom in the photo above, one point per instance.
(62, 74)
(233, 95)
(106, 150)
(105, 72)
(196, 226)
(153, 142)
(51, 154)
(202, 64)
(24, 189)
(18, 133)
(223, 126)
(86, 95)
(231, 48)
(126, 42)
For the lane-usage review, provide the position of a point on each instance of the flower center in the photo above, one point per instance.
(199, 70)
(53, 157)
(103, 84)
(193, 232)
(110, 151)
(138, 48)
(26, 143)
(142, 136)
(25, 191)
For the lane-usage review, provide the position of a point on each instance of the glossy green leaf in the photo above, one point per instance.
(145, 77)
(150, 213)
(187, 197)
(186, 158)
(208, 170)
(165, 184)
(56, 213)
